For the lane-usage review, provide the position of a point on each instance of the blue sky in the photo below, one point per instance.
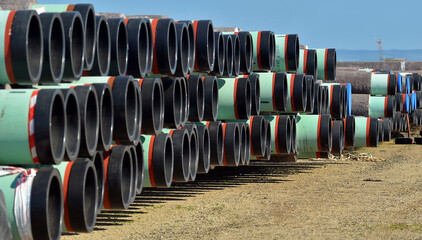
(342, 24)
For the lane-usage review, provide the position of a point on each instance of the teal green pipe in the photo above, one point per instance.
(52, 7)
(301, 61)
(313, 155)
(146, 142)
(321, 63)
(280, 61)
(327, 60)
(226, 103)
(273, 121)
(62, 170)
(379, 84)
(307, 133)
(254, 35)
(4, 78)
(14, 139)
(266, 81)
(377, 106)
(366, 132)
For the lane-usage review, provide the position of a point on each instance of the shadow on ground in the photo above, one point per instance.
(217, 179)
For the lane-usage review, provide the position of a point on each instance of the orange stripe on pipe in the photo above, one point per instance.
(150, 162)
(70, 8)
(385, 106)
(7, 47)
(224, 141)
(305, 61)
(250, 133)
(292, 92)
(110, 81)
(319, 133)
(31, 136)
(368, 125)
(66, 202)
(106, 201)
(331, 99)
(273, 91)
(235, 98)
(195, 28)
(258, 50)
(155, 69)
(325, 64)
(286, 38)
(277, 148)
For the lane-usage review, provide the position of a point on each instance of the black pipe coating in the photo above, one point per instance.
(50, 126)
(183, 50)
(88, 17)
(119, 47)
(138, 124)
(244, 98)
(150, 48)
(106, 115)
(280, 87)
(220, 51)
(204, 148)
(26, 47)
(182, 155)
(194, 148)
(54, 48)
(196, 98)
(326, 133)
(300, 89)
(185, 100)
(257, 126)
(216, 142)
(138, 42)
(387, 130)
(89, 112)
(338, 137)
(210, 98)
(74, 34)
(267, 154)
(135, 171)
(82, 196)
(102, 56)
(229, 55)
(256, 94)
(311, 63)
(232, 144)
(267, 51)
(243, 143)
(373, 132)
(349, 134)
(163, 161)
(380, 131)
(165, 46)
(293, 134)
(118, 165)
(246, 52)
(98, 163)
(192, 46)
(125, 107)
(247, 130)
(73, 124)
(318, 98)
(139, 150)
(236, 54)
(284, 136)
(292, 52)
(46, 204)
(336, 101)
(152, 105)
(331, 64)
(310, 91)
(172, 102)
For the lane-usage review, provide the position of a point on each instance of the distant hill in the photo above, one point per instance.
(373, 55)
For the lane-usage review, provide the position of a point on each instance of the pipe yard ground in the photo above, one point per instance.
(309, 199)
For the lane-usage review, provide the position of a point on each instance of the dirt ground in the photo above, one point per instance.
(304, 200)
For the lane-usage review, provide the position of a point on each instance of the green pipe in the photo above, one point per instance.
(313, 133)
(380, 107)
(234, 98)
(45, 202)
(296, 93)
(46, 116)
(380, 84)
(273, 91)
(327, 61)
(280, 134)
(366, 132)
(313, 155)
(280, 62)
(158, 160)
(308, 63)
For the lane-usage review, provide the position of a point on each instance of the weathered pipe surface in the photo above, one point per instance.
(361, 81)
(360, 103)
(338, 137)
(387, 130)
(349, 132)
(287, 53)
(98, 163)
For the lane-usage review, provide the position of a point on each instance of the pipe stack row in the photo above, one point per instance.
(95, 109)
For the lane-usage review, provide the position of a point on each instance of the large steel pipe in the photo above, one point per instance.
(172, 102)
(246, 52)
(119, 46)
(194, 148)
(327, 62)
(125, 105)
(74, 34)
(308, 62)
(89, 112)
(21, 39)
(349, 132)
(220, 58)
(98, 163)
(216, 131)
(318, 98)
(373, 106)
(293, 134)
(273, 91)
(281, 139)
(73, 124)
(366, 134)
(158, 160)
(139, 151)
(138, 42)
(296, 93)
(310, 99)
(231, 136)
(314, 133)
(338, 137)
(183, 50)
(118, 177)
(165, 46)
(234, 98)
(255, 94)
(229, 55)
(105, 114)
(264, 50)
(32, 127)
(54, 48)
(210, 98)
(380, 130)
(287, 53)
(257, 135)
(44, 205)
(192, 44)
(186, 99)
(336, 102)
(152, 105)
(369, 83)
(245, 143)
(268, 146)
(236, 54)
(387, 130)
(182, 154)
(87, 13)
(204, 145)
(102, 55)
(135, 172)
(196, 98)
(80, 193)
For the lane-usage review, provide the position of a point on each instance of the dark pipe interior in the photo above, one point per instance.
(215, 99)
(236, 57)
(143, 43)
(91, 197)
(73, 126)
(57, 127)
(90, 36)
(107, 117)
(34, 46)
(194, 154)
(206, 149)
(168, 161)
(140, 157)
(91, 121)
(77, 51)
(54, 207)
(103, 47)
(131, 108)
(220, 142)
(243, 144)
(98, 162)
(211, 45)
(185, 50)
(177, 100)
(200, 99)
(172, 44)
(157, 107)
(122, 49)
(272, 50)
(134, 181)
(186, 155)
(248, 52)
(126, 177)
(185, 101)
(192, 46)
(237, 145)
(56, 50)
(248, 99)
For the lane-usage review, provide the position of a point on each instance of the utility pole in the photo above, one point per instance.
(380, 43)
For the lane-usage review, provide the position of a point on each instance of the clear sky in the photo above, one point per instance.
(342, 24)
